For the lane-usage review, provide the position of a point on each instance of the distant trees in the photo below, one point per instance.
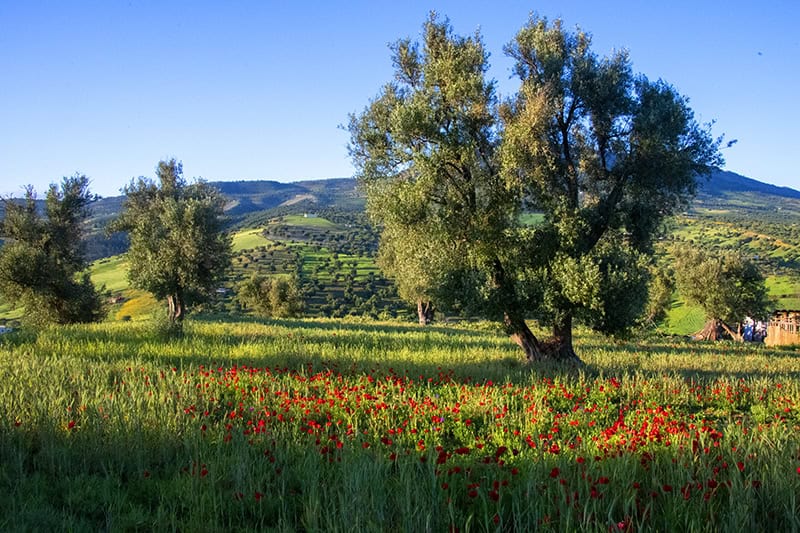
(179, 251)
(603, 153)
(42, 263)
(728, 286)
(271, 296)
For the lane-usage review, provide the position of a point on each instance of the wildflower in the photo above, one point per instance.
(554, 473)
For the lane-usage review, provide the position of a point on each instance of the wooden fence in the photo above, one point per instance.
(783, 329)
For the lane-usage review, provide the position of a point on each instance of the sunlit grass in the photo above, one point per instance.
(357, 425)
(249, 239)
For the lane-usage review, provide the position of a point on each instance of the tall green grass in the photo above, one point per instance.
(324, 425)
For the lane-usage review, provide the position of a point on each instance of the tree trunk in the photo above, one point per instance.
(559, 347)
(735, 336)
(521, 334)
(517, 328)
(710, 331)
(176, 308)
(424, 312)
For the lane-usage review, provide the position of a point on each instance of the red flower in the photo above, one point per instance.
(667, 488)
(71, 424)
(494, 495)
(555, 472)
(258, 496)
(740, 466)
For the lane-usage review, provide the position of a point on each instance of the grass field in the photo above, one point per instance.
(309, 222)
(326, 425)
(249, 239)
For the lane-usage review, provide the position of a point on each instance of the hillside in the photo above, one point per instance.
(318, 231)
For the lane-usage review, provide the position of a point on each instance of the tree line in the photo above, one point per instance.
(178, 249)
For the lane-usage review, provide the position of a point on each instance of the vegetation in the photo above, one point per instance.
(728, 287)
(277, 296)
(330, 425)
(178, 251)
(605, 155)
(42, 263)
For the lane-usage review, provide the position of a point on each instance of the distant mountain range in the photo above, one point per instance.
(246, 197)
(725, 183)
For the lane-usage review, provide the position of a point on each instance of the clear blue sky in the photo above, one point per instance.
(256, 90)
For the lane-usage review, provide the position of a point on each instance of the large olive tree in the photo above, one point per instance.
(603, 153)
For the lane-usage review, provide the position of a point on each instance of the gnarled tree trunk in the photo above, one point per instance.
(710, 331)
(521, 334)
(424, 312)
(176, 308)
(559, 347)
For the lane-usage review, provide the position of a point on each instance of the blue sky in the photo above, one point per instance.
(257, 90)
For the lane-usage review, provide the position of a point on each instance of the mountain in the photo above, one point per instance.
(252, 203)
(723, 183)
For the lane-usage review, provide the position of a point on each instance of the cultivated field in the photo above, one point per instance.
(325, 425)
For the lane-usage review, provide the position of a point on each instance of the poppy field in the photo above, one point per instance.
(330, 425)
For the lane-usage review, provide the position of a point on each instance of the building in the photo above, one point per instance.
(783, 329)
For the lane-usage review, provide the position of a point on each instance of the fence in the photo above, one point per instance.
(783, 329)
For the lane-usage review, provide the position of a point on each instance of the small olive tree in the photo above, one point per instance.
(42, 262)
(727, 285)
(179, 251)
(275, 296)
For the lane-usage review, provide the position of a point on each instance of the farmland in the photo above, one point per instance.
(334, 424)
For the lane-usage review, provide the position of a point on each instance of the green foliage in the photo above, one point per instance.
(659, 294)
(178, 248)
(727, 285)
(272, 296)
(43, 257)
(606, 155)
(425, 151)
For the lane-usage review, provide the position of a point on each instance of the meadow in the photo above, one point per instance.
(332, 425)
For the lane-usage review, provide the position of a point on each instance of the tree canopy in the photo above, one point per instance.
(271, 296)
(42, 263)
(603, 153)
(178, 249)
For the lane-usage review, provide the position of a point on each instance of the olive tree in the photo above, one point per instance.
(179, 251)
(728, 287)
(603, 153)
(43, 261)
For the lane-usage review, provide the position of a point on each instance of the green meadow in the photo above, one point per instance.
(345, 425)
